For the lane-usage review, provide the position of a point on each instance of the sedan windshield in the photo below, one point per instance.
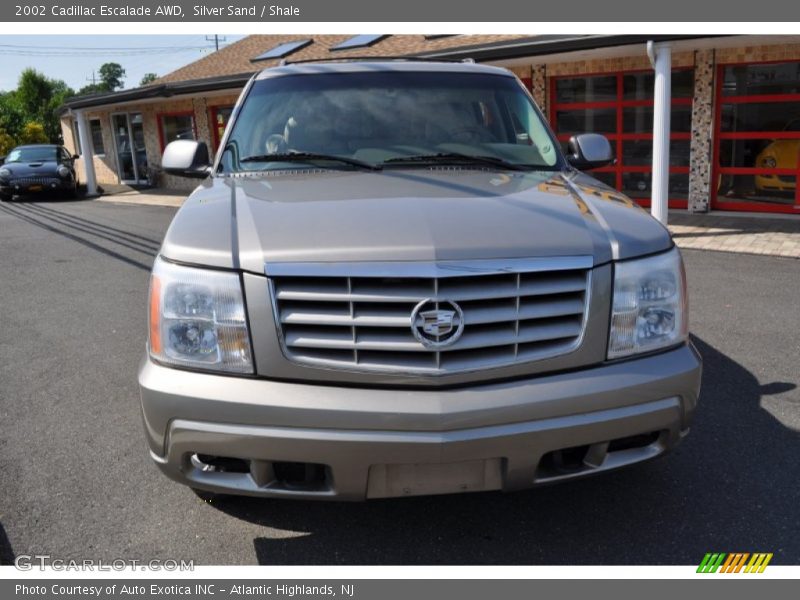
(32, 154)
(388, 119)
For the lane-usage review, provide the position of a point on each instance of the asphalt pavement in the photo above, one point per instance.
(76, 481)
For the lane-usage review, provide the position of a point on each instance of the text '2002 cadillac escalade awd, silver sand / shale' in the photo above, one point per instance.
(391, 281)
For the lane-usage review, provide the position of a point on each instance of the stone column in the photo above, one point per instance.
(702, 132)
(539, 86)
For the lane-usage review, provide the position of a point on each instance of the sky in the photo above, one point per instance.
(73, 58)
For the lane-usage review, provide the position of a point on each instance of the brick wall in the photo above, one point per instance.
(758, 53)
(606, 65)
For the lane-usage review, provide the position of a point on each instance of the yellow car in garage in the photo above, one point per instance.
(779, 154)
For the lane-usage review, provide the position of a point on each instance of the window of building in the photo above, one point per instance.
(76, 138)
(620, 106)
(757, 138)
(176, 126)
(96, 131)
(358, 41)
(220, 115)
(282, 50)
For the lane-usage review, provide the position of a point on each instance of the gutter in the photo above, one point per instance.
(163, 90)
(541, 45)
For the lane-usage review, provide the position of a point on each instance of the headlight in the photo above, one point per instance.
(649, 306)
(5, 172)
(769, 162)
(197, 319)
(63, 171)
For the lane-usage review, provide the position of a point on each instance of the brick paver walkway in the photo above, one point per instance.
(745, 234)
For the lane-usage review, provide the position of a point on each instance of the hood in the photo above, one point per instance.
(27, 169)
(407, 215)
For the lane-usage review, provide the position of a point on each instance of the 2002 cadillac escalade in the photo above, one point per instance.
(392, 281)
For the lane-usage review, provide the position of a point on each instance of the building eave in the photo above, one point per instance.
(163, 90)
(549, 44)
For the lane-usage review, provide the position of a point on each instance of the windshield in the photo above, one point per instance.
(32, 154)
(378, 116)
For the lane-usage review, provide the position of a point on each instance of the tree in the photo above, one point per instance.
(12, 116)
(7, 142)
(92, 88)
(33, 133)
(148, 78)
(36, 99)
(111, 76)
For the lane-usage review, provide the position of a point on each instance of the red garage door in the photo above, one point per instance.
(620, 106)
(757, 138)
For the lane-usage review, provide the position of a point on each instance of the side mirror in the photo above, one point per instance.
(186, 158)
(589, 151)
(76, 156)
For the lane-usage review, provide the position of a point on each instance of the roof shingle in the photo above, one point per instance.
(237, 57)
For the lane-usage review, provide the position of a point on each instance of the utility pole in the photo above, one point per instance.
(93, 79)
(217, 39)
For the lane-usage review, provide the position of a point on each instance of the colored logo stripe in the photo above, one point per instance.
(734, 562)
(758, 563)
(711, 562)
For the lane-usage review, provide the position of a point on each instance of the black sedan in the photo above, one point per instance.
(38, 168)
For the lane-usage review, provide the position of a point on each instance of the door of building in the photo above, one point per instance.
(129, 143)
(757, 138)
(620, 106)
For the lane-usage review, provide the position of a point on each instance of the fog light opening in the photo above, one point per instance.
(219, 464)
(563, 461)
(300, 476)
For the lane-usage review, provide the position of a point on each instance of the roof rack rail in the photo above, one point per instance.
(285, 61)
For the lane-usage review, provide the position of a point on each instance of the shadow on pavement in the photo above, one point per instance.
(90, 234)
(6, 553)
(669, 511)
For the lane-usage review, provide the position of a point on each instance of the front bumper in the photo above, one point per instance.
(35, 187)
(368, 443)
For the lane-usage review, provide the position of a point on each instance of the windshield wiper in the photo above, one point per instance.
(310, 156)
(450, 157)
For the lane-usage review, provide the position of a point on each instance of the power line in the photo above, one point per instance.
(217, 39)
(82, 53)
(39, 47)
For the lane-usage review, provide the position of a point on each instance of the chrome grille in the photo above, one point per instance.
(28, 181)
(359, 316)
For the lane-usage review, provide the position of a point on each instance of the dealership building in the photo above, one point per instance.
(734, 107)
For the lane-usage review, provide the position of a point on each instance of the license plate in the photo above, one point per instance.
(34, 188)
(437, 478)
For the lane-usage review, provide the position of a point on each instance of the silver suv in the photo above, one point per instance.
(392, 281)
